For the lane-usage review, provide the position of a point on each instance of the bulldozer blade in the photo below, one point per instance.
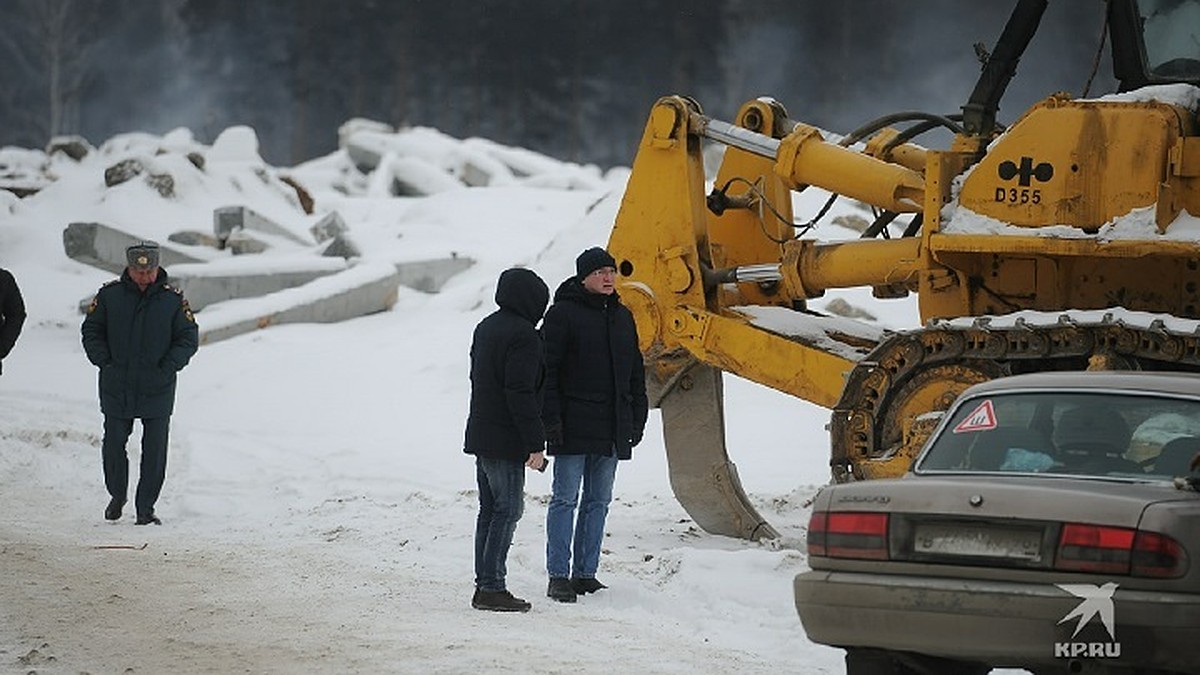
(703, 479)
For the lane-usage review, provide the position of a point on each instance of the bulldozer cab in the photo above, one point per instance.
(1155, 42)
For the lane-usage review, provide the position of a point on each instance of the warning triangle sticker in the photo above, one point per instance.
(982, 418)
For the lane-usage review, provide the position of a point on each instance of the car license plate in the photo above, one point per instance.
(978, 541)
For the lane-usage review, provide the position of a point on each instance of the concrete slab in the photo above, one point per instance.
(228, 219)
(328, 226)
(429, 276)
(342, 246)
(104, 247)
(242, 277)
(358, 291)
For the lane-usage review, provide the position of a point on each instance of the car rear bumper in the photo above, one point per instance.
(998, 623)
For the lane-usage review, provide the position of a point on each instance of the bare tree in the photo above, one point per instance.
(52, 47)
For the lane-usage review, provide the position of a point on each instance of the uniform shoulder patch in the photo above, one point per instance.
(96, 298)
(183, 304)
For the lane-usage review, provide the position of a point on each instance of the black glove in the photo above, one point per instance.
(637, 438)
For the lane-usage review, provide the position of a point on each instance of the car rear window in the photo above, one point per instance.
(1079, 433)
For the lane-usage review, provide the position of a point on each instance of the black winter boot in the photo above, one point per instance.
(585, 585)
(560, 589)
(498, 601)
(113, 510)
(147, 519)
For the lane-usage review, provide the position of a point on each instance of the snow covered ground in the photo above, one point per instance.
(318, 510)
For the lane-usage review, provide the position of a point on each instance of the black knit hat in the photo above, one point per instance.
(591, 260)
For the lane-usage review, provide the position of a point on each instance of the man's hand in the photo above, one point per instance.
(1196, 462)
(536, 461)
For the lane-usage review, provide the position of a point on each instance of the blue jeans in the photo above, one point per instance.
(501, 502)
(596, 473)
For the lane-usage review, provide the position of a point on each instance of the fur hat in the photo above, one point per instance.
(591, 260)
(142, 255)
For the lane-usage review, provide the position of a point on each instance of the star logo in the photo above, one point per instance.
(1097, 601)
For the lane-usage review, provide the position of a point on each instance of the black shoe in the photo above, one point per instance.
(113, 510)
(560, 589)
(498, 601)
(585, 585)
(147, 518)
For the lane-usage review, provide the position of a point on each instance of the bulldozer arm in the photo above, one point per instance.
(703, 479)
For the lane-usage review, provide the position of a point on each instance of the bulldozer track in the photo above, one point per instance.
(923, 370)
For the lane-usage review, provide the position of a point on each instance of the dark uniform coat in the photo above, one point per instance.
(506, 372)
(139, 341)
(595, 397)
(12, 313)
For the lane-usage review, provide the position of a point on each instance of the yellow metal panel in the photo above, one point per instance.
(747, 236)
(1058, 164)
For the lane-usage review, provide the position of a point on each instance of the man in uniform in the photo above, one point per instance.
(139, 332)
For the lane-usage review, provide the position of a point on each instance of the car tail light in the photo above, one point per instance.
(1092, 548)
(1119, 550)
(848, 534)
(1157, 555)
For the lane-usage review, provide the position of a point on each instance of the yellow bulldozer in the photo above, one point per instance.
(1065, 240)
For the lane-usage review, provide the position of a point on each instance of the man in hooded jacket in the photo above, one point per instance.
(140, 332)
(595, 411)
(504, 426)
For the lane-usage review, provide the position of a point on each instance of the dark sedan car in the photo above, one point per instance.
(1051, 523)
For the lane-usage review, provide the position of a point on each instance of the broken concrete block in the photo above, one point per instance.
(328, 227)
(363, 152)
(416, 177)
(240, 243)
(193, 238)
(75, 147)
(127, 169)
(356, 124)
(358, 291)
(244, 277)
(342, 246)
(479, 169)
(24, 172)
(122, 171)
(364, 157)
(429, 276)
(227, 219)
(104, 247)
(163, 183)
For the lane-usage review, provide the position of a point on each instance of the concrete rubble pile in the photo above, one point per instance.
(253, 271)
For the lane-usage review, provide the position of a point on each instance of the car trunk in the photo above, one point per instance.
(1035, 523)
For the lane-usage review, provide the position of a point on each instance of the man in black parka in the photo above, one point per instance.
(504, 427)
(12, 313)
(595, 412)
(140, 332)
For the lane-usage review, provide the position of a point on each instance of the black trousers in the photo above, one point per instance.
(154, 460)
